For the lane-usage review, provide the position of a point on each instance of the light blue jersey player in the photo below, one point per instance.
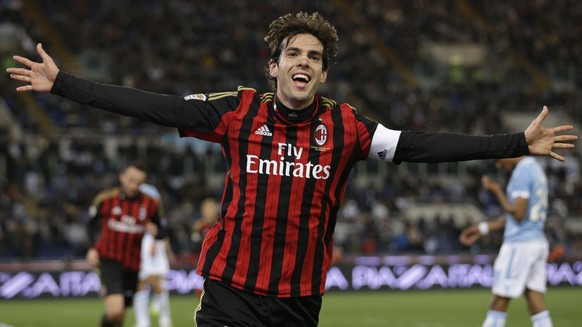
(520, 267)
(528, 181)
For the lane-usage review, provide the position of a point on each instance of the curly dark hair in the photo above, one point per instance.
(289, 25)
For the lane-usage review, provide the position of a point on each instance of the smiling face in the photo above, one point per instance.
(299, 71)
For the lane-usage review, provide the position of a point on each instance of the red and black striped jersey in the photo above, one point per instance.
(123, 220)
(282, 192)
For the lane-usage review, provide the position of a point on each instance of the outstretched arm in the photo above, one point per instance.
(413, 146)
(542, 141)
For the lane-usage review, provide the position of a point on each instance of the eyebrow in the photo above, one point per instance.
(311, 52)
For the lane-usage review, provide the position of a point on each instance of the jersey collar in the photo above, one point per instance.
(291, 117)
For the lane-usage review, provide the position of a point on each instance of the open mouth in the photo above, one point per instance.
(301, 79)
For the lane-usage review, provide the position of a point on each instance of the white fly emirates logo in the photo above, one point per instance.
(126, 223)
(288, 165)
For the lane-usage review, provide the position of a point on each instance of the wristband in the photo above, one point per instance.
(483, 228)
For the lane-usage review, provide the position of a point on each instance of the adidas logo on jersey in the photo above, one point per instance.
(382, 154)
(263, 130)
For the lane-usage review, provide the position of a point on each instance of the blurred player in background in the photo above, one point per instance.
(156, 255)
(289, 154)
(520, 267)
(119, 218)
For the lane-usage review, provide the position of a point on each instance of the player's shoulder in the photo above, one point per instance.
(214, 96)
(331, 104)
(106, 195)
(241, 90)
(266, 97)
(528, 166)
(234, 97)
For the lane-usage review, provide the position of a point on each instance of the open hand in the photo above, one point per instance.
(40, 75)
(542, 141)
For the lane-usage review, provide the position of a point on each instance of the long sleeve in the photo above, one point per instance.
(157, 108)
(445, 147)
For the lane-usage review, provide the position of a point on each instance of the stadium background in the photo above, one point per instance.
(457, 66)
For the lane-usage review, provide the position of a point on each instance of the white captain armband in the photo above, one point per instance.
(384, 143)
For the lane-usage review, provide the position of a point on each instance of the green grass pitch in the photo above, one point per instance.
(433, 308)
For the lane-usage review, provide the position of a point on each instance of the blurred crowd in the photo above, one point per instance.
(383, 69)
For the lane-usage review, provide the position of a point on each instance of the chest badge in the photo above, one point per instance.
(320, 135)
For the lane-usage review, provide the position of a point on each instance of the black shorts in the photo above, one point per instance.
(117, 279)
(222, 305)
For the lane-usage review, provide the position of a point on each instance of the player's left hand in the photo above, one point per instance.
(542, 140)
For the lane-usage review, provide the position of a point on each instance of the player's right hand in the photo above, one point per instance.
(40, 75)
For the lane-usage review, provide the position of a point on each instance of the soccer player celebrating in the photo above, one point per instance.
(289, 153)
(520, 267)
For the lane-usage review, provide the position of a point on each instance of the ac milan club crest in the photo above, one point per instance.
(320, 135)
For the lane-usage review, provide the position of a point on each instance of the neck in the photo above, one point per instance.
(294, 104)
(294, 115)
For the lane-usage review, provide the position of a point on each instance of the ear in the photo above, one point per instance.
(273, 68)
(323, 77)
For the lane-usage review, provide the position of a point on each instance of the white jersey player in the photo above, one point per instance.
(155, 265)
